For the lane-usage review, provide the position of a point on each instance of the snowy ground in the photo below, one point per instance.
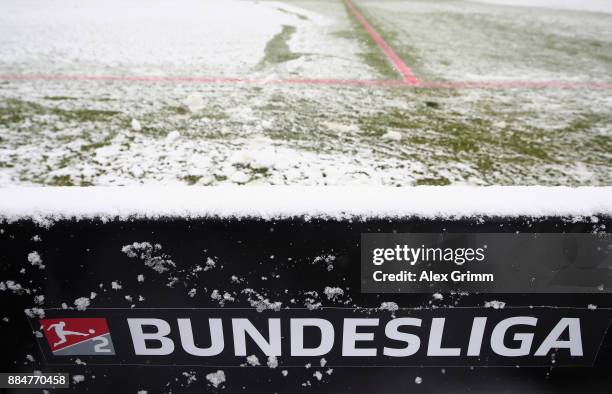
(71, 132)
(213, 38)
(460, 40)
(578, 5)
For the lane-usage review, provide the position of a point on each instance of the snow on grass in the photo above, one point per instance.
(392, 135)
(84, 133)
(576, 5)
(135, 124)
(136, 37)
(192, 38)
(318, 41)
(475, 137)
(463, 40)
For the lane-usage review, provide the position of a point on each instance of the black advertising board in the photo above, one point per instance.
(277, 306)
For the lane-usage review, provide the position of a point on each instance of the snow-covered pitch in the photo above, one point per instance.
(303, 92)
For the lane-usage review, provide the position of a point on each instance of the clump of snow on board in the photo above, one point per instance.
(216, 378)
(333, 293)
(272, 362)
(495, 304)
(35, 259)
(253, 360)
(82, 303)
(150, 254)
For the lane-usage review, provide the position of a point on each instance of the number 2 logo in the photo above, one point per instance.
(101, 345)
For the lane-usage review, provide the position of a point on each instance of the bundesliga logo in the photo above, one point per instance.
(78, 336)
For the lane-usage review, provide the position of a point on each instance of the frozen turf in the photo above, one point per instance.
(460, 40)
(65, 131)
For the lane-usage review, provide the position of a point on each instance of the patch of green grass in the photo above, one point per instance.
(602, 144)
(346, 34)
(213, 113)
(462, 137)
(85, 114)
(418, 139)
(64, 162)
(98, 144)
(277, 50)
(484, 164)
(301, 16)
(586, 122)
(379, 123)
(373, 57)
(260, 170)
(380, 64)
(179, 109)
(454, 135)
(59, 98)
(529, 148)
(248, 168)
(271, 106)
(216, 114)
(441, 181)
(408, 53)
(61, 180)
(16, 111)
(289, 135)
(153, 131)
(191, 179)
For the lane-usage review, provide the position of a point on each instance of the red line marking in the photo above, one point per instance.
(405, 71)
(408, 78)
(200, 80)
(190, 79)
(305, 81)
